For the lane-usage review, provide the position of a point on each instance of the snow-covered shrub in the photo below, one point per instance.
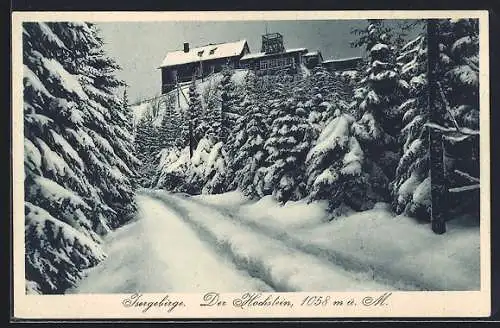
(204, 173)
(337, 169)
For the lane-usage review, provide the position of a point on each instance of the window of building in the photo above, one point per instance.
(200, 53)
(212, 51)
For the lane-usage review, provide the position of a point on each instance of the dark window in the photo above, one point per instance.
(212, 51)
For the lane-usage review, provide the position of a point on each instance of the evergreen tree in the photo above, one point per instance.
(459, 90)
(377, 111)
(336, 167)
(247, 141)
(169, 127)
(147, 147)
(327, 96)
(411, 185)
(195, 109)
(252, 154)
(291, 137)
(229, 105)
(78, 162)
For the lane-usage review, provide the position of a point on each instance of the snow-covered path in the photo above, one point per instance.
(178, 244)
(158, 253)
(279, 264)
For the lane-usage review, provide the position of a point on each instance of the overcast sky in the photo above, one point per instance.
(139, 48)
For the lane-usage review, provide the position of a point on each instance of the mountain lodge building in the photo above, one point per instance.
(182, 65)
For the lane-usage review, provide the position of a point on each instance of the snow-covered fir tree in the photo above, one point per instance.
(335, 166)
(290, 138)
(327, 93)
(246, 143)
(377, 111)
(411, 184)
(168, 131)
(457, 75)
(78, 161)
(198, 124)
(459, 89)
(230, 109)
(147, 146)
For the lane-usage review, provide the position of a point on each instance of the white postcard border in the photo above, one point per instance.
(106, 306)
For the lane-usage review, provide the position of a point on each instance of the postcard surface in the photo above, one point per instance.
(251, 164)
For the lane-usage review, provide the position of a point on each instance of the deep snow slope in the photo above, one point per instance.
(208, 85)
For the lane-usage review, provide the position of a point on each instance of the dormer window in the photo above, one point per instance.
(200, 53)
(212, 51)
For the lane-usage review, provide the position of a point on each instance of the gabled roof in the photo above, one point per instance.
(263, 54)
(208, 52)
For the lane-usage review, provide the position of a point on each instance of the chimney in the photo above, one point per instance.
(186, 47)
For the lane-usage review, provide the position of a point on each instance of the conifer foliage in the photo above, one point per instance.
(246, 143)
(290, 138)
(78, 153)
(376, 110)
(411, 184)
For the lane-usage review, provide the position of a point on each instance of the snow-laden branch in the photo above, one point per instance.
(448, 130)
(466, 131)
(471, 64)
(464, 188)
(467, 176)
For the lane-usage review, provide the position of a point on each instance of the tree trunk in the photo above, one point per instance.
(436, 167)
(191, 143)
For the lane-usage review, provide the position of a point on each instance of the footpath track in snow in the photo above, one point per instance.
(277, 263)
(160, 252)
(377, 271)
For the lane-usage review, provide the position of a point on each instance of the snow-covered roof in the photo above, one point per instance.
(341, 60)
(263, 54)
(312, 53)
(212, 51)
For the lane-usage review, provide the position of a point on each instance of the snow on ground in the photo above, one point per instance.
(290, 215)
(395, 248)
(159, 252)
(232, 198)
(279, 265)
(227, 243)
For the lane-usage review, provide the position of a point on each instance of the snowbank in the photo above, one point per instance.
(394, 248)
(232, 198)
(290, 215)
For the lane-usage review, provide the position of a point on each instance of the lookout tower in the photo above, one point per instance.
(272, 43)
